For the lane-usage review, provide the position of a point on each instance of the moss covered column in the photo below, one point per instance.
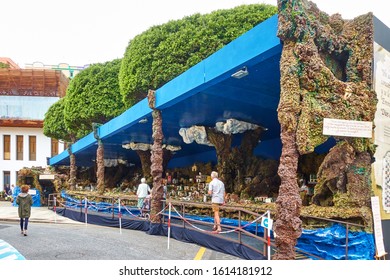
(73, 169)
(326, 72)
(99, 159)
(100, 167)
(156, 159)
(288, 226)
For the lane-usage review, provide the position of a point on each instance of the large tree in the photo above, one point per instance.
(93, 97)
(54, 127)
(163, 52)
(54, 122)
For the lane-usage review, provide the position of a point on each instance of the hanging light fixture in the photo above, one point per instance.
(241, 73)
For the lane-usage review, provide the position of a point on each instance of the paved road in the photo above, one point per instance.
(71, 240)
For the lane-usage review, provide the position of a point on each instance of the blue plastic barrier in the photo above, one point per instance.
(35, 197)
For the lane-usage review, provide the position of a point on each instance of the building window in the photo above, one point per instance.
(54, 147)
(32, 140)
(19, 147)
(7, 147)
(7, 178)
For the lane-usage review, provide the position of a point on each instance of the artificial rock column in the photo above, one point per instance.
(73, 169)
(288, 226)
(100, 167)
(326, 72)
(99, 159)
(157, 160)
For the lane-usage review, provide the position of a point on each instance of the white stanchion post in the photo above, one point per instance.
(86, 211)
(169, 222)
(55, 210)
(120, 216)
(269, 236)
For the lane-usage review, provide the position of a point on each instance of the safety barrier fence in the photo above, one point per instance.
(171, 213)
(249, 234)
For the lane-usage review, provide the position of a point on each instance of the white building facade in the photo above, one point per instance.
(25, 97)
(24, 147)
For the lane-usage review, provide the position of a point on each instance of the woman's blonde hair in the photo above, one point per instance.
(25, 188)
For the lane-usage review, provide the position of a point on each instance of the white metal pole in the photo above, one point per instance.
(269, 235)
(169, 222)
(86, 211)
(55, 210)
(120, 216)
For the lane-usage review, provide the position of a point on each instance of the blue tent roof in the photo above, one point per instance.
(203, 95)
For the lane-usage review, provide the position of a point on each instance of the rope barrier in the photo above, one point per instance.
(131, 214)
(221, 232)
(99, 208)
(86, 204)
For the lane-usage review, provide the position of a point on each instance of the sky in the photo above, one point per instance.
(81, 32)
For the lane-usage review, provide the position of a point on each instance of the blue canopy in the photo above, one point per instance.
(203, 95)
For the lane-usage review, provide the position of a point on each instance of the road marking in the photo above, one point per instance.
(200, 253)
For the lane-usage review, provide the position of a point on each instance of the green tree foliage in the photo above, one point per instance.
(93, 96)
(162, 52)
(3, 65)
(54, 124)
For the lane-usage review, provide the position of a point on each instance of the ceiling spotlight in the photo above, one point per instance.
(144, 120)
(241, 73)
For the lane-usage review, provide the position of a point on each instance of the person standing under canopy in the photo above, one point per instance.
(217, 192)
(142, 191)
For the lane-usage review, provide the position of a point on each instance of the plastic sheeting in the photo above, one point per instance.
(35, 197)
(330, 243)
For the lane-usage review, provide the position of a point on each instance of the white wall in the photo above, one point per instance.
(43, 150)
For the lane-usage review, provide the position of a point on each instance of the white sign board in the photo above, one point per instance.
(32, 192)
(266, 223)
(347, 128)
(380, 247)
(46, 177)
